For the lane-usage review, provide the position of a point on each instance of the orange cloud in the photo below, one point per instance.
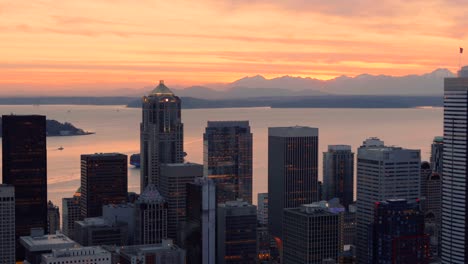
(58, 45)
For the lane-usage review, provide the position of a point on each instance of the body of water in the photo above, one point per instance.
(117, 130)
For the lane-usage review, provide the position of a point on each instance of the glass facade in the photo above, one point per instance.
(25, 167)
(103, 181)
(228, 159)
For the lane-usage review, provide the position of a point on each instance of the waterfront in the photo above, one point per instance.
(117, 130)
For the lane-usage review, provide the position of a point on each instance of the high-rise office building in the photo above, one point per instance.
(25, 167)
(398, 233)
(292, 171)
(150, 217)
(228, 159)
(455, 170)
(161, 134)
(338, 174)
(71, 212)
(173, 181)
(383, 172)
(262, 214)
(312, 233)
(7, 223)
(199, 236)
(437, 150)
(97, 231)
(53, 218)
(103, 181)
(236, 233)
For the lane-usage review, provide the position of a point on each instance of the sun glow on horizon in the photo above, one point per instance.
(64, 45)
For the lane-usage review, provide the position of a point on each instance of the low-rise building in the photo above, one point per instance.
(37, 244)
(88, 255)
(165, 252)
(96, 231)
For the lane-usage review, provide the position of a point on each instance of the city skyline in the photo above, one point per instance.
(221, 41)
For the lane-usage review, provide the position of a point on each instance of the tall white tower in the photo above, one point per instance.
(455, 160)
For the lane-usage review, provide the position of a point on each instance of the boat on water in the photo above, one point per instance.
(60, 148)
(135, 160)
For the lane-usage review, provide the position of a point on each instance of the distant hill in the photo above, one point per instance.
(55, 128)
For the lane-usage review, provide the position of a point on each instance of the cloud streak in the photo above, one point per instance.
(64, 43)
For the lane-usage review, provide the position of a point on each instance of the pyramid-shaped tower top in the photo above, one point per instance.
(161, 89)
(151, 195)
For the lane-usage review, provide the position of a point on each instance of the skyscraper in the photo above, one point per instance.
(437, 150)
(398, 233)
(173, 181)
(103, 181)
(236, 233)
(312, 233)
(262, 215)
(200, 228)
(433, 210)
(161, 133)
(338, 174)
(383, 172)
(71, 212)
(228, 159)
(53, 218)
(25, 167)
(292, 171)
(455, 170)
(7, 224)
(150, 217)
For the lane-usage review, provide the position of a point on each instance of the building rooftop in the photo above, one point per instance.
(151, 195)
(236, 123)
(120, 205)
(94, 221)
(293, 131)
(161, 89)
(112, 154)
(318, 208)
(166, 244)
(181, 164)
(46, 242)
(78, 251)
(237, 203)
(339, 148)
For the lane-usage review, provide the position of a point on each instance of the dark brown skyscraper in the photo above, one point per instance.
(25, 167)
(228, 159)
(103, 181)
(292, 171)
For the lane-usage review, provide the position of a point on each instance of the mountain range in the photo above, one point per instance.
(430, 84)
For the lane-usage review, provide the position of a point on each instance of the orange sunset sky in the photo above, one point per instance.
(48, 46)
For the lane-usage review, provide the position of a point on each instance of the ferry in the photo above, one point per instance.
(135, 160)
